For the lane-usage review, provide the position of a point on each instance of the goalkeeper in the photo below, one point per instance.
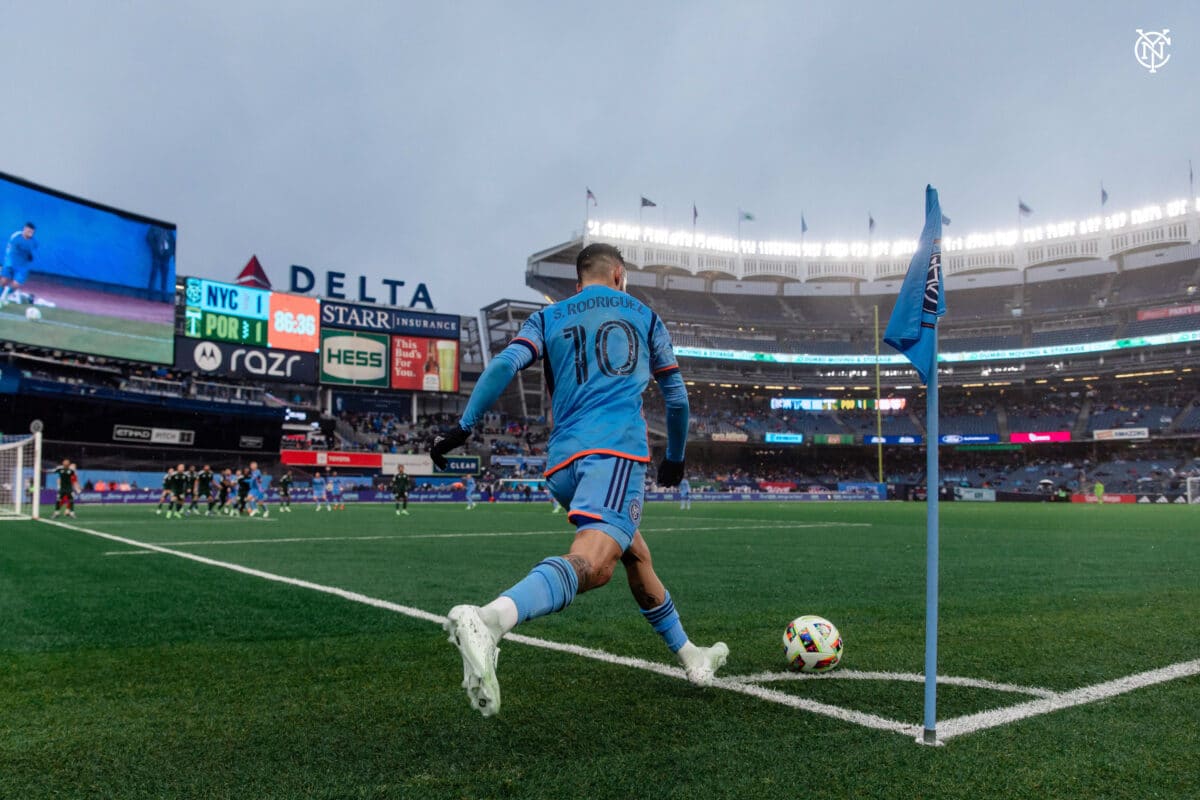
(600, 348)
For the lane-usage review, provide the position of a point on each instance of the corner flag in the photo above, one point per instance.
(912, 328)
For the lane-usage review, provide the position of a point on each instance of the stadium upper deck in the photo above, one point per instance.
(1122, 287)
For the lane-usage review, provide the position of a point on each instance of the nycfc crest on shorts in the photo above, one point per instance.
(635, 511)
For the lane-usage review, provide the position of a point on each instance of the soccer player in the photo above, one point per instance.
(321, 491)
(335, 492)
(68, 481)
(179, 490)
(224, 487)
(243, 490)
(285, 492)
(685, 495)
(258, 494)
(168, 485)
(469, 485)
(18, 256)
(600, 348)
(400, 484)
(189, 489)
(204, 488)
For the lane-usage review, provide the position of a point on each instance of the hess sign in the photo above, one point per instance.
(242, 315)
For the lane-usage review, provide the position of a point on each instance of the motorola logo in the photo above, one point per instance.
(207, 356)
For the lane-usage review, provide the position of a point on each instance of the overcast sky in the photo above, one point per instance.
(446, 142)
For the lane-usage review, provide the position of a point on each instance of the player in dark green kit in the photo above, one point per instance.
(243, 490)
(224, 487)
(168, 488)
(66, 488)
(285, 492)
(204, 488)
(179, 490)
(400, 486)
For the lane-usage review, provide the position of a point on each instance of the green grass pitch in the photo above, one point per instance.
(129, 674)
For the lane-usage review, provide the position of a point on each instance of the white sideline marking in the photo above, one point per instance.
(906, 677)
(471, 535)
(947, 729)
(971, 723)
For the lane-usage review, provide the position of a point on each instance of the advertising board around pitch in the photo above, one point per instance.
(354, 358)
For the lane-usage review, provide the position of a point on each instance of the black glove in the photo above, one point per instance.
(670, 473)
(445, 443)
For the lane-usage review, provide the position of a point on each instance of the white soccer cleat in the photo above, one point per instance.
(706, 663)
(480, 651)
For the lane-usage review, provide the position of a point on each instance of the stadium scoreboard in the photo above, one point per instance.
(243, 315)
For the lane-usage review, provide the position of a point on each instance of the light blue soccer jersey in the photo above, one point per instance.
(685, 488)
(600, 348)
(470, 484)
(319, 487)
(256, 485)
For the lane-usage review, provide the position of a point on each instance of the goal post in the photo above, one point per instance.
(20, 476)
(1193, 491)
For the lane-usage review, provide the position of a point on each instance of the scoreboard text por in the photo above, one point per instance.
(243, 315)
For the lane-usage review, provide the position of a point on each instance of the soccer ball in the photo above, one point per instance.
(33, 314)
(812, 644)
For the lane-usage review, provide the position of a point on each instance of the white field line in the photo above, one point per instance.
(947, 729)
(971, 723)
(858, 717)
(472, 535)
(907, 677)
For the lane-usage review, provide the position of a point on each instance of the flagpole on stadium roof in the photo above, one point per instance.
(878, 392)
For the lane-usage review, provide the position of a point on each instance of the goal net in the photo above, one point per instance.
(20, 476)
(1193, 490)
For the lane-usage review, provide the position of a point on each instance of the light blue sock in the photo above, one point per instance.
(665, 621)
(549, 587)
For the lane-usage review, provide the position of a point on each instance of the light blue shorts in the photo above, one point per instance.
(603, 493)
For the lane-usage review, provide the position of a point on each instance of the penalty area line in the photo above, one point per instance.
(729, 684)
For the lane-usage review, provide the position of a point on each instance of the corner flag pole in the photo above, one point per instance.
(912, 330)
(932, 476)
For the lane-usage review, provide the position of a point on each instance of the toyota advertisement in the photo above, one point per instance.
(246, 362)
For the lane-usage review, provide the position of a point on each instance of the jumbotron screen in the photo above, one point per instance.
(83, 277)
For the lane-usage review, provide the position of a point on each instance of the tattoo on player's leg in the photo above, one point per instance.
(583, 570)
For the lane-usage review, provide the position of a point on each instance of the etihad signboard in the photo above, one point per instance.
(353, 358)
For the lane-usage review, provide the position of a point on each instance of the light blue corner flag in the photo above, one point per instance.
(912, 328)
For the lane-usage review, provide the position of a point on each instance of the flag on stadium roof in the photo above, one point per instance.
(253, 275)
(647, 203)
(912, 328)
(745, 215)
(870, 223)
(591, 196)
(803, 224)
(1023, 209)
(945, 220)
(1103, 194)
(695, 214)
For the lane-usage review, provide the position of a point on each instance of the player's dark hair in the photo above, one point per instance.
(31, 226)
(596, 257)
